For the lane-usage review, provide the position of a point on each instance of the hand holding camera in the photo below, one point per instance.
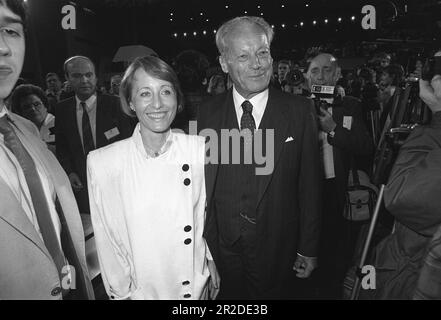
(430, 85)
(326, 122)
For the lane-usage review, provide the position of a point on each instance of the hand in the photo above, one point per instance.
(326, 122)
(430, 93)
(214, 283)
(75, 182)
(304, 266)
(341, 91)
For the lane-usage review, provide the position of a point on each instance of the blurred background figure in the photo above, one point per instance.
(191, 67)
(217, 84)
(385, 60)
(30, 102)
(416, 73)
(391, 79)
(283, 67)
(295, 83)
(115, 82)
(53, 90)
(66, 91)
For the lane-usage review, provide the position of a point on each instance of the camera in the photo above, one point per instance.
(324, 97)
(431, 68)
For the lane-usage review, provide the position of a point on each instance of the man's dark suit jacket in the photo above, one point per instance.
(348, 143)
(288, 201)
(68, 141)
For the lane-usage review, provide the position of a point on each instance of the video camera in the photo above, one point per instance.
(325, 97)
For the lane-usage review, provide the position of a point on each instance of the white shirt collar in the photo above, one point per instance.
(3, 111)
(259, 102)
(137, 139)
(89, 102)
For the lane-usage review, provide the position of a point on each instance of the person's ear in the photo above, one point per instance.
(223, 63)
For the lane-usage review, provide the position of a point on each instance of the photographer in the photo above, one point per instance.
(342, 136)
(412, 196)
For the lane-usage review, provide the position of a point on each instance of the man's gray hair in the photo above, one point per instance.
(230, 25)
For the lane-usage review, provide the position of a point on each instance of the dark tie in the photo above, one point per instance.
(36, 190)
(88, 143)
(247, 122)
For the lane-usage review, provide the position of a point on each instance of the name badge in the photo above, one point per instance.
(347, 122)
(111, 133)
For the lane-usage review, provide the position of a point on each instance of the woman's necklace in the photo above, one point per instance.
(155, 153)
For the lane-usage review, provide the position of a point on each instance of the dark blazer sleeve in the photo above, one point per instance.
(429, 285)
(309, 184)
(413, 193)
(61, 141)
(356, 140)
(125, 123)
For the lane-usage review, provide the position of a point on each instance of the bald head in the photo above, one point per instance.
(323, 70)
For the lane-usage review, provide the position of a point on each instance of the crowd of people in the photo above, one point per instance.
(168, 224)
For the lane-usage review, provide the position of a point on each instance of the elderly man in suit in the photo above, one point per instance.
(342, 136)
(85, 122)
(260, 228)
(41, 236)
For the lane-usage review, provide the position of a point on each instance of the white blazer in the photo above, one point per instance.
(148, 217)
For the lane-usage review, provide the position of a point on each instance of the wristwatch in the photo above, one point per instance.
(331, 133)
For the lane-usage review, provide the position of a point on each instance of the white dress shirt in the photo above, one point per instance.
(327, 153)
(148, 217)
(326, 149)
(259, 102)
(45, 132)
(91, 111)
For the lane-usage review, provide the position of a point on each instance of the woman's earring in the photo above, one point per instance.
(131, 107)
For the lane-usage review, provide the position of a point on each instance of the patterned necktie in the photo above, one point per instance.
(247, 122)
(36, 190)
(88, 143)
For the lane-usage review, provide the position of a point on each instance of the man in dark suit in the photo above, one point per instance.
(85, 122)
(260, 228)
(342, 136)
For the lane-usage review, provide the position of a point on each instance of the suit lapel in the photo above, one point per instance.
(220, 120)
(275, 117)
(13, 213)
(73, 125)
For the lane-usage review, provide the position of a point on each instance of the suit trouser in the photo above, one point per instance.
(238, 265)
(335, 246)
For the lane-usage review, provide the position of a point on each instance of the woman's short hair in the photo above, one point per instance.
(232, 24)
(23, 91)
(154, 67)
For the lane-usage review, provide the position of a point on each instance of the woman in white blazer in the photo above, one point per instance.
(147, 197)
